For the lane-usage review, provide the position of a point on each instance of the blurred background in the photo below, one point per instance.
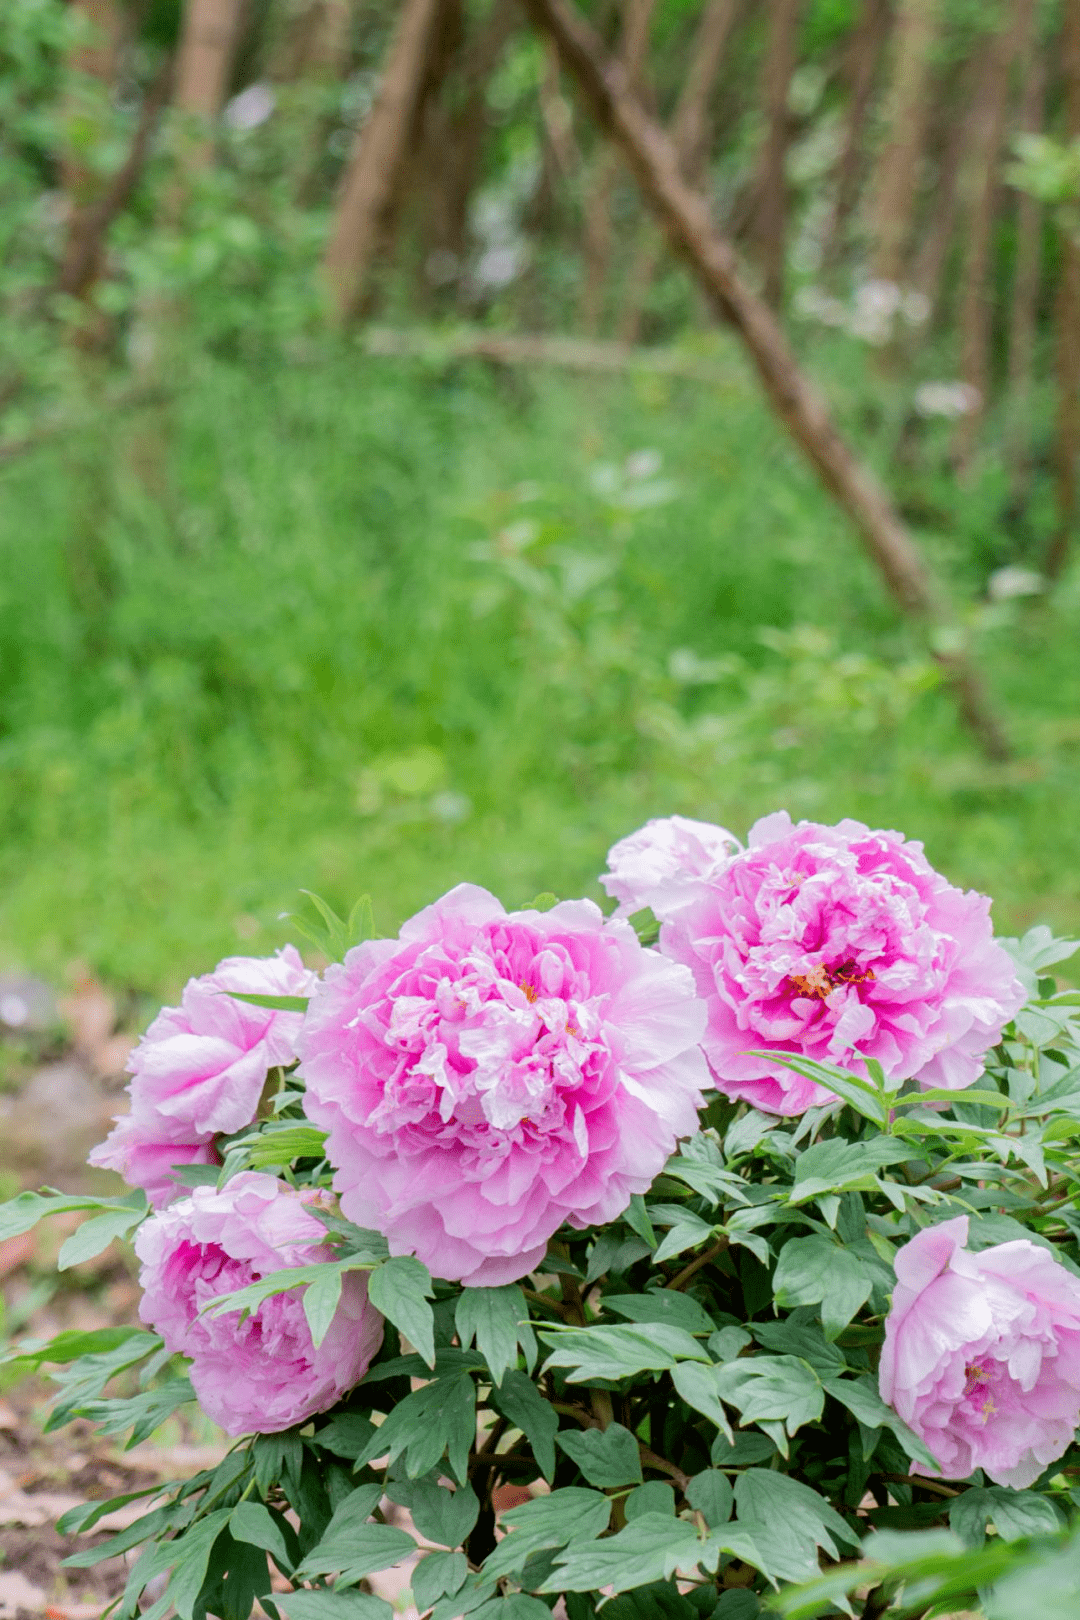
(384, 504)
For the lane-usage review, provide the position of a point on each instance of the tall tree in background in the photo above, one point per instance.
(895, 182)
(860, 71)
(797, 402)
(1068, 320)
(690, 133)
(1024, 309)
(599, 238)
(977, 296)
(455, 125)
(768, 229)
(960, 108)
(209, 35)
(369, 191)
(94, 66)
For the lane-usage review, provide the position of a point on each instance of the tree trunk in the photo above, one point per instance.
(860, 70)
(1027, 273)
(85, 247)
(896, 181)
(690, 134)
(599, 227)
(94, 67)
(209, 36)
(368, 194)
(1068, 321)
(454, 135)
(976, 303)
(768, 229)
(928, 269)
(684, 212)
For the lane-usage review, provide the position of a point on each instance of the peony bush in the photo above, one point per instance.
(713, 1257)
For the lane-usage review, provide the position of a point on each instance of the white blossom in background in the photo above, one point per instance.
(251, 107)
(949, 399)
(1005, 583)
(814, 304)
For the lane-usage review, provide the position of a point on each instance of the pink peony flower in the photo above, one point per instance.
(201, 1067)
(263, 1373)
(487, 1076)
(982, 1354)
(657, 865)
(840, 944)
(135, 1149)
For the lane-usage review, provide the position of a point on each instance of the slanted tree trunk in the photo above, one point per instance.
(976, 301)
(685, 214)
(1027, 273)
(85, 246)
(860, 70)
(768, 228)
(1067, 317)
(94, 66)
(690, 134)
(896, 180)
(368, 194)
(599, 239)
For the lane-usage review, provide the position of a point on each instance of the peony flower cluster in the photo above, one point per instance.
(658, 866)
(982, 1354)
(200, 1069)
(263, 1373)
(489, 1075)
(838, 944)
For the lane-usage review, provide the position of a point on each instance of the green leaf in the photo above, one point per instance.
(352, 1546)
(652, 1497)
(346, 1435)
(86, 1515)
(400, 1288)
(789, 1522)
(191, 1552)
(837, 1166)
(795, 1338)
(780, 1390)
(438, 1573)
(322, 1604)
(1013, 1514)
(661, 1305)
(569, 1514)
(862, 1400)
(321, 1299)
(649, 1549)
(518, 1399)
(607, 1457)
(442, 1516)
(815, 1270)
(637, 1219)
(278, 1144)
(20, 1214)
(699, 1388)
(95, 1234)
(518, 1606)
(254, 1523)
(498, 1320)
(141, 1413)
(619, 1352)
(863, 1095)
(297, 1004)
(440, 1417)
(710, 1492)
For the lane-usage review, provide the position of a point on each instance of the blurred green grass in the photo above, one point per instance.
(358, 625)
